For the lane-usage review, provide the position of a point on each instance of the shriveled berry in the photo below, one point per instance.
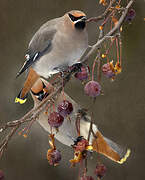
(55, 119)
(108, 71)
(53, 156)
(100, 170)
(83, 74)
(130, 15)
(87, 178)
(81, 145)
(1, 175)
(79, 138)
(92, 88)
(65, 108)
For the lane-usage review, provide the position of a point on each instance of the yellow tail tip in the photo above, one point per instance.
(21, 101)
(121, 161)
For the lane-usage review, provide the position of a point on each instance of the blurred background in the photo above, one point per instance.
(119, 114)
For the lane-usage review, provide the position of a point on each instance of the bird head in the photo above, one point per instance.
(77, 19)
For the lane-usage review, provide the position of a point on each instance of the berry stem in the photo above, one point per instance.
(26, 130)
(97, 59)
(53, 107)
(108, 17)
(99, 67)
(117, 50)
(99, 70)
(108, 50)
(107, 59)
(77, 123)
(120, 43)
(93, 69)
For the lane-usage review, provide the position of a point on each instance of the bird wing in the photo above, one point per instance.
(40, 44)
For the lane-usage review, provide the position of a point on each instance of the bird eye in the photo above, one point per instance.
(73, 18)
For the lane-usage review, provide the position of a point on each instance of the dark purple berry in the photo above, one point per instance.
(65, 108)
(81, 145)
(92, 88)
(53, 156)
(87, 178)
(83, 74)
(130, 15)
(1, 175)
(100, 170)
(55, 119)
(108, 71)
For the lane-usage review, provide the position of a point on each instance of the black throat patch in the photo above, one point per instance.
(80, 25)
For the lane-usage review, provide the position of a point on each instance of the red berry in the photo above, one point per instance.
(55, 119)
(65, 108)
(54, 157)
(87, 178)
(100, 170)
(1, 175)
(130, 15)
(83, 74)
(92, 88)
(107, 71)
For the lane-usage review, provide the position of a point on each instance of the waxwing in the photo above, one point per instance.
(67, 131)
(58, 44)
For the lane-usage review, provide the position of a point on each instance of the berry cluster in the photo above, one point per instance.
(55, 119)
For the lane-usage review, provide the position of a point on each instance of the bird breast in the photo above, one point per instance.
(66, 51)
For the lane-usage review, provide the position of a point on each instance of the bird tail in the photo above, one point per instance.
(110, 149)
(20, 99)
(30, 81)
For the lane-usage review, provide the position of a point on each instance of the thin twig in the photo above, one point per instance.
(104, 15)
(7, 138)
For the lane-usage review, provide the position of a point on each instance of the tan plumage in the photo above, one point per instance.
(58, 43)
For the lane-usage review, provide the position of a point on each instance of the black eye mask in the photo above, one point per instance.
(73, 18)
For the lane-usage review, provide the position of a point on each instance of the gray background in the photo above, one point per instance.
(119, 113)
